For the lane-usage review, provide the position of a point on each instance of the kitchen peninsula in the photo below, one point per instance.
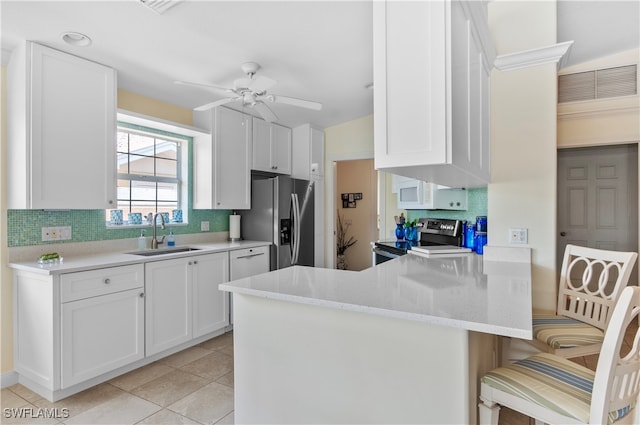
(403, 342)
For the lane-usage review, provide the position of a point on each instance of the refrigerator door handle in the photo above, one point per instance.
(295, 229)
(292, 237)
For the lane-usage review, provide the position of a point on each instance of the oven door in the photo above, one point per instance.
(380, 255)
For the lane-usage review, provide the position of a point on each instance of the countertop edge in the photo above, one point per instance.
(105, 260)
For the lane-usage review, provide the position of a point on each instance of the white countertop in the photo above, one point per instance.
(78, 263)
(458, 291)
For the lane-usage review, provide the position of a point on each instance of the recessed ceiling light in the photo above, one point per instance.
(76, 39)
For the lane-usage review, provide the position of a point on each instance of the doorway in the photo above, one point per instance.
(356, 199)
(598, 199)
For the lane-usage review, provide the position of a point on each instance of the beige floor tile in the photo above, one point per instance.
(227, 420)
(222, 341)
(25, 392)
(125, 409)
(32, 415)
(211, 367)
(167, 417)
(141, 376)
(226, 380)
(10, 400)
(207, 405)
(228, 349)
(185, 356)
(85, 400)
(170, 388)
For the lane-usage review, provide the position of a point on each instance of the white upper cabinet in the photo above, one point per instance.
(432, 63)
(222, 166)
(271, 147)
(61, 129)
(308, 152)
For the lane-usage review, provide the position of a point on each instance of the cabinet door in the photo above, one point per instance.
(232, 159)
(261, 145)
(101, 334)
(409, 72)
(210, 304)
(168, 305)
(280, 149)
(73, 126)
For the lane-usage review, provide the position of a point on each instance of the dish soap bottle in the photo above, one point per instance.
(171, 240)
(142, 241)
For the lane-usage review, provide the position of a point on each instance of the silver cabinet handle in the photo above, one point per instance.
(250, 255)
(189, 263)
(141, 294)
(107, 281)
(195, 262)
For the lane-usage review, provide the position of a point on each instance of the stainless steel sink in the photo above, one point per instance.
(154, 252)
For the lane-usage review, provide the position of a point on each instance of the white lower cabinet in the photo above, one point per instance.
(75, 330)
(183, 300)
(101, 334)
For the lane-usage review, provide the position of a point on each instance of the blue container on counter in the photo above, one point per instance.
(469, 232)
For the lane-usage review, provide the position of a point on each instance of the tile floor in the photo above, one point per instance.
(194, 386)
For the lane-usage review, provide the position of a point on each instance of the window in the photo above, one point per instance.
(150, 174)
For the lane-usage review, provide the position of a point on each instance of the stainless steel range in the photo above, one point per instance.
(437, 236)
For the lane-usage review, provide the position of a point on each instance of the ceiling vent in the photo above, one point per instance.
(598, 84)
(159, 6)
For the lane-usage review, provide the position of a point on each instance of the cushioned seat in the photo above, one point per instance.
(564, 332)
(554, 390)
(591, 280)
(552, 382)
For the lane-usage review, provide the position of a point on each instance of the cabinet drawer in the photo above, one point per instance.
(76, 286)
(249, 252)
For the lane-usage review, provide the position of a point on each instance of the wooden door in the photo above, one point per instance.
(598, 199)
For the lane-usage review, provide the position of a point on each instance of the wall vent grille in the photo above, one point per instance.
(598, 84)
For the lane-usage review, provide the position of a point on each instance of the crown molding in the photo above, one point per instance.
(533, 57)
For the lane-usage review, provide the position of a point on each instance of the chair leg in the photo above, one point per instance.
(488, 413)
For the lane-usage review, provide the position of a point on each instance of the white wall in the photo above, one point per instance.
(523, 140)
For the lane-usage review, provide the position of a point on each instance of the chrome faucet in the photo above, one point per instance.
(154, 240)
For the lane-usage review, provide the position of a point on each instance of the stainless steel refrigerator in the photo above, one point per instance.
(282, 213)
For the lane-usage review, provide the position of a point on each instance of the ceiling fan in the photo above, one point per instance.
(252, 92)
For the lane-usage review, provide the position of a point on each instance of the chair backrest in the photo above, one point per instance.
(617, 382)
(591, 280)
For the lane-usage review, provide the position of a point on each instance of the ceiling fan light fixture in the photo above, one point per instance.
(76, 39)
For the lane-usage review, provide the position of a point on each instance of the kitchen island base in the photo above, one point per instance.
(304, 363)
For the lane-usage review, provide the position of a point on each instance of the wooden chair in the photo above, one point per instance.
(552, 389)
(591, 280)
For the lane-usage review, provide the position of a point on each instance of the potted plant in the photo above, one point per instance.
(342, 242)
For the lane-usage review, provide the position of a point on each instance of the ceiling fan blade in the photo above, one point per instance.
(265, 112)
(209, 86)
(261, 83)
(216, 103)
(293, 101)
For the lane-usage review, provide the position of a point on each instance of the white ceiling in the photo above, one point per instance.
(316, 50)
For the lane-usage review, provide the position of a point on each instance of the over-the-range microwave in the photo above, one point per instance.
(419, 195)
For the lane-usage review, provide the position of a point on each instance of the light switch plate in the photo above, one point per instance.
(204, 226)
(518, 236)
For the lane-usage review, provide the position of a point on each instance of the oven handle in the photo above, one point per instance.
(385, 253)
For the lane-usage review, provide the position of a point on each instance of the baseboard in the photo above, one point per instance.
(8, 379)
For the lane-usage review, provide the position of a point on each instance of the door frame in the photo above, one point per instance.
(331, 186)
(605, 145)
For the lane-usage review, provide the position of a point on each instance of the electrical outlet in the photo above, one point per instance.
(204, 226)
(518, 236)
(62, 233)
